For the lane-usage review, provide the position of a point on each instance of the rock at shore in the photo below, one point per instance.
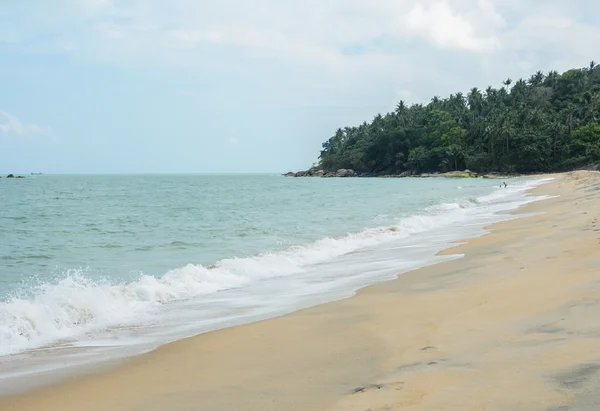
(461, 174)
(315, 172)
(342, 172)
(348, 172)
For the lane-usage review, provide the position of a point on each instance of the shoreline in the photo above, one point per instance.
(457, 174)
(432, 230)
(345, 354)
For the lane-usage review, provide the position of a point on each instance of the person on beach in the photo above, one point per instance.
(504, 182)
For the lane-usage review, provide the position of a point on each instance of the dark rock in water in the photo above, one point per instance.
(10, 176)
(19, 177)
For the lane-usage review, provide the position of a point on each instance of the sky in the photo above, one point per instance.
(192, 86)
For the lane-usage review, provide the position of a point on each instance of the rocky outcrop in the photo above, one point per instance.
(315, 172)
(347, 172)
(342, 172)
(10, 176)
(461, 174)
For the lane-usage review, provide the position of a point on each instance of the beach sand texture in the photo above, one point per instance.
(515, 325)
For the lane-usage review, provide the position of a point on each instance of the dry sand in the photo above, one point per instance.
(515, 325)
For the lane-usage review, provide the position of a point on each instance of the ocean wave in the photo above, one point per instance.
(77, 304)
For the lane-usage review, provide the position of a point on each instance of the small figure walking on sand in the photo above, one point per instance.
(504, 182)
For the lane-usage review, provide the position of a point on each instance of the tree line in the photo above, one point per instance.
(549, 122)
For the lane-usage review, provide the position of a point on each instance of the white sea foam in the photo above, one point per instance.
(76, 305)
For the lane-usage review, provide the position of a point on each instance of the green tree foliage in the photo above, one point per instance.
(549, 122)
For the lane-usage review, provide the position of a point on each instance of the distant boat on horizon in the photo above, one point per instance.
(36, 174)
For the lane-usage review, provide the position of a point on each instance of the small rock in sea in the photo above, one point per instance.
(10, 176)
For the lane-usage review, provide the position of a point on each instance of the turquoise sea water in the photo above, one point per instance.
(93, 267)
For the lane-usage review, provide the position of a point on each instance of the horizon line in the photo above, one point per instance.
(146, 173)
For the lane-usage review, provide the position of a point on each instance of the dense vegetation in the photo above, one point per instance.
(548, 122)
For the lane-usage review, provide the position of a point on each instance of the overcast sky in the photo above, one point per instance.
(192, 86)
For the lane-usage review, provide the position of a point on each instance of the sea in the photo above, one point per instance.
(94, 268)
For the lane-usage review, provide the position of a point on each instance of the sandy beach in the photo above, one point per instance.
(511, 326)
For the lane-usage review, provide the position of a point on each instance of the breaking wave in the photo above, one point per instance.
(77, 304)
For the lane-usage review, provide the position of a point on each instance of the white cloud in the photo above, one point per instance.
(323, 52)
(9, 124)
(439, 23)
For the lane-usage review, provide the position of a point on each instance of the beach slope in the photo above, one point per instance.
(511, 326)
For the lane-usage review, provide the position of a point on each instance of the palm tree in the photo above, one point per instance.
(457, 105)
(400, 107)
(523, 125)
(551, 78)
(475, 100)
(536, 78)
(508, 130)
(519, 89)
(455, 152)
(539, 75)
(416, 157)
(401, 112)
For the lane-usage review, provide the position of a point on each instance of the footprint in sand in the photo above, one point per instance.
(396, 385)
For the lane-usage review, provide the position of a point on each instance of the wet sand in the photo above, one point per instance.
(512, 326)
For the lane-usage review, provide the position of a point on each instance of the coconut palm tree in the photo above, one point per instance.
(536, 79)
(401, 112)
(541, 124)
